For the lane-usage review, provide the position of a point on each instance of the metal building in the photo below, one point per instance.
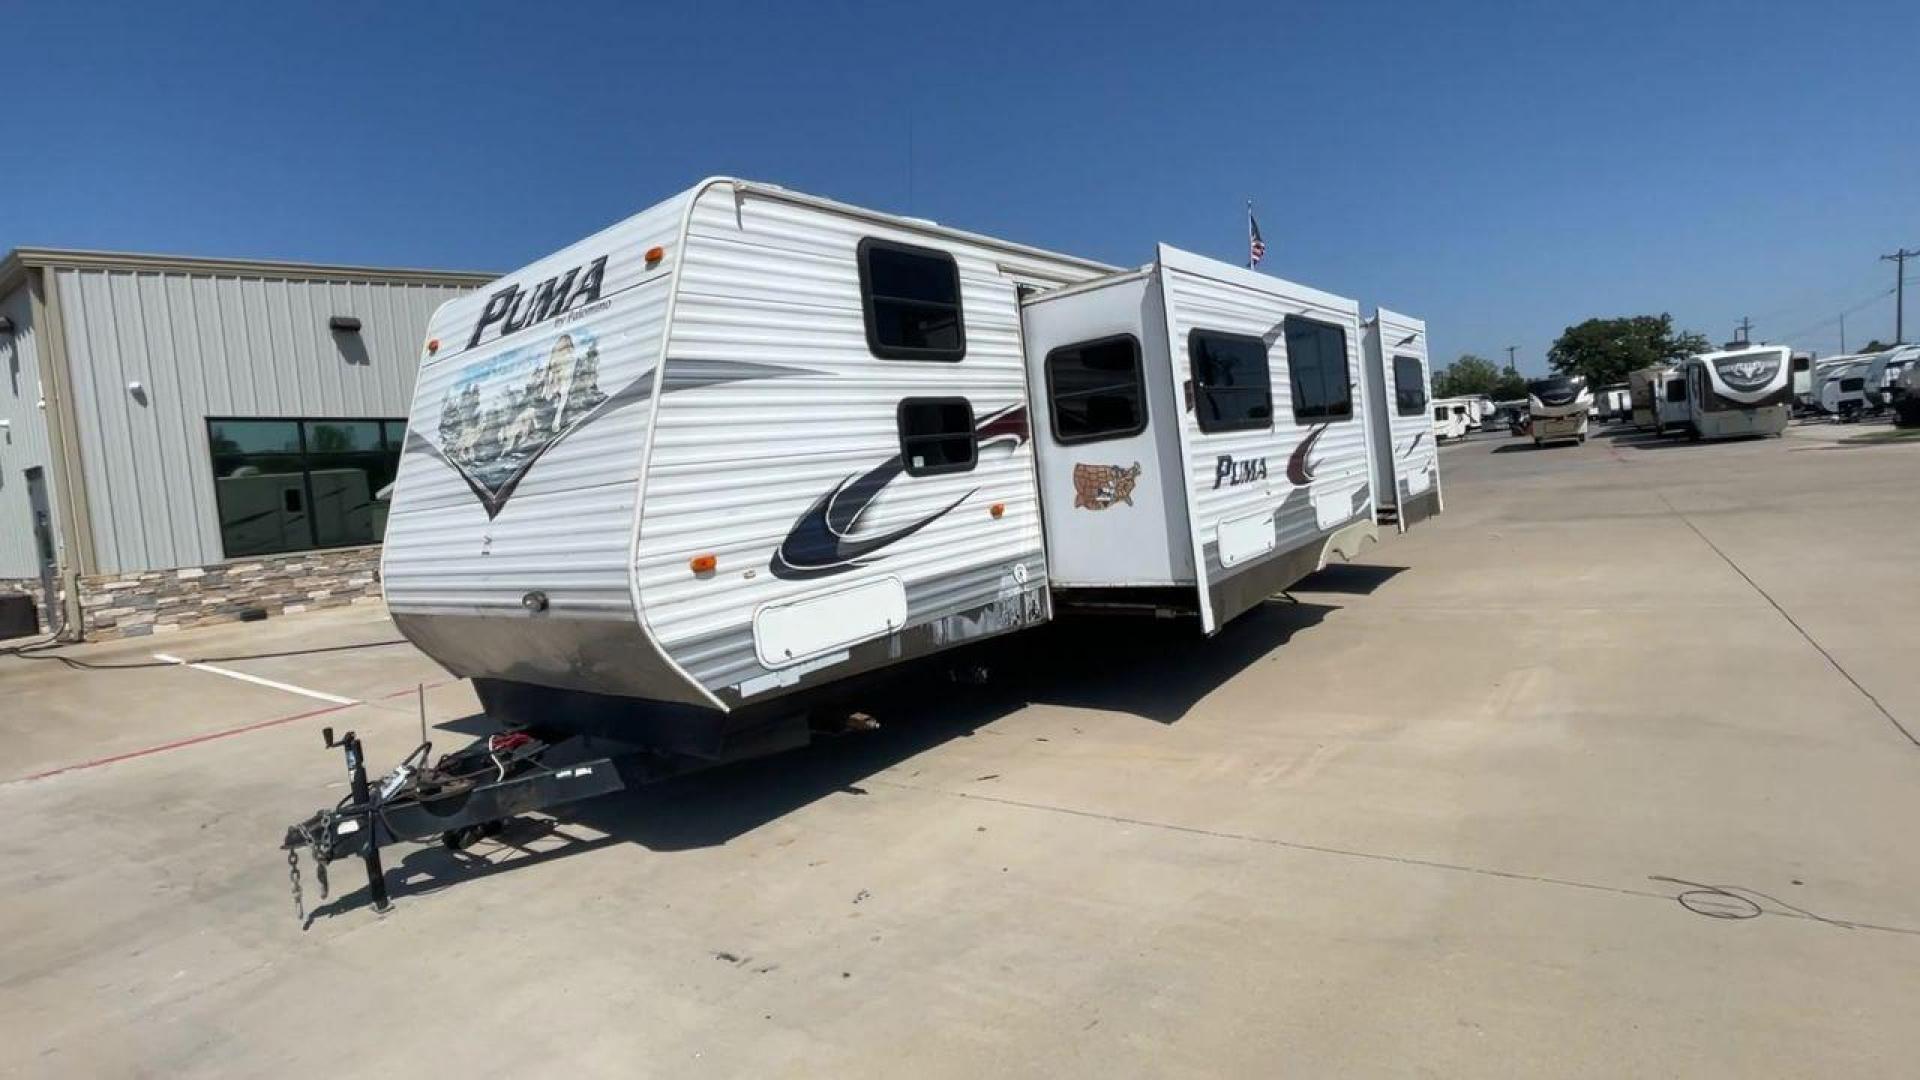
(186, 440)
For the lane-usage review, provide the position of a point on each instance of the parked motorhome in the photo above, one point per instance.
(1643, 387)
(1738, 392)
(1560, 407)
(1453, 418)
(1406, 465)
(748, 443)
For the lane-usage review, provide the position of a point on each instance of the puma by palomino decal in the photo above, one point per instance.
(1299, 469)
(824, 541)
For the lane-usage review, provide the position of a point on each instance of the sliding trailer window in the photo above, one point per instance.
(910, 297)
(1317, 362)
(1097, 390)
(1409, 386)
(1232, 385)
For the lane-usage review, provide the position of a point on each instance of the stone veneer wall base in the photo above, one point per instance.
(158, 601)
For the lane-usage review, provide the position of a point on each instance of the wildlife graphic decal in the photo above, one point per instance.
(826, 539)
(503, 413)
(1299, 467)
(1096, 487)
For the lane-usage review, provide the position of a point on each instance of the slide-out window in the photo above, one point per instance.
(1440, 412)
(1409, 386)
(936, 436)
(1232, 385)
(910, 297)
(1096, 390)
(1676, 390)
(1317, 361)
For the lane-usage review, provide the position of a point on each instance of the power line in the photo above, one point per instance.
(1899, 261)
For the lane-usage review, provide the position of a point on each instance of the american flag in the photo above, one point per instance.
(1256, 247)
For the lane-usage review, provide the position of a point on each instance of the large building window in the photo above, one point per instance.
(294, 485)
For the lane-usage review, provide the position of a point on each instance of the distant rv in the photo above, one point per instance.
(1559, 406)
(1740, 392)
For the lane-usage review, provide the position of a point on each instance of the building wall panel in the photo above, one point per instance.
(207, 344)
(23, 442)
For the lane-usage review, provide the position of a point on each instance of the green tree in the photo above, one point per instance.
(1511, 387)
(1605, 350)
(1467, 376)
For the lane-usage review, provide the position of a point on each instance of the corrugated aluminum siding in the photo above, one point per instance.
(203, 345)
(567, 528)
(1339, 461)
(770, 282)
(23, 444)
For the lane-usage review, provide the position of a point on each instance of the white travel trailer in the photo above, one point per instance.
(1453, 418)
(1669, 402)
(1406, 464)
(749, 443)
(1883, 371)
(1560, 408)
(1838, 385)
(1739, 392)
(1802, 380)
(1616, 403)
(1642, 388)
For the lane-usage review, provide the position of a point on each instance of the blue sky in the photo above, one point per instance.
(1499, 170)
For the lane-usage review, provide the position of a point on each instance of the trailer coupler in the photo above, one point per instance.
(467, 794)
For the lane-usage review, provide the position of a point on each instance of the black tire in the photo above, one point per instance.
(1693, 433)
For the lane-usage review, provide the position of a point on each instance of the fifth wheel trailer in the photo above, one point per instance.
(673, 483)
(1559, 406)
(1739, 392)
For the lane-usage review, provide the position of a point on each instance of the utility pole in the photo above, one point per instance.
(1746, 330)
(1899, 261)
(1510, 349)
(1843, 333)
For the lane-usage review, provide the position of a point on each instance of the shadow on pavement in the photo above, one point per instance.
(1154, 669)
(1353, 579)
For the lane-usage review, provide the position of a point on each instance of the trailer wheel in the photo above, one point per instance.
(1536, 442)
(1693, 432)
(1582, 440)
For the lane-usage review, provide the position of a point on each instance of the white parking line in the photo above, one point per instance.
(257, 680)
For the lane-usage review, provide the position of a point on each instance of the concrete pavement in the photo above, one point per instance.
(1602, 773)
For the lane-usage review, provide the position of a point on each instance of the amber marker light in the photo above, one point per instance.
(655, 254)
(703, 564)
(997, 509)
(433, 346)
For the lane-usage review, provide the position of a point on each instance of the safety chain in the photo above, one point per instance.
(293, 876)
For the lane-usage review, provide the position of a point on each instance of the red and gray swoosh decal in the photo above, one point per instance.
(1299, 469)
(824, 540)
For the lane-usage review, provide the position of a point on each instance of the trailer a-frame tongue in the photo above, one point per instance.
(1199, 439)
